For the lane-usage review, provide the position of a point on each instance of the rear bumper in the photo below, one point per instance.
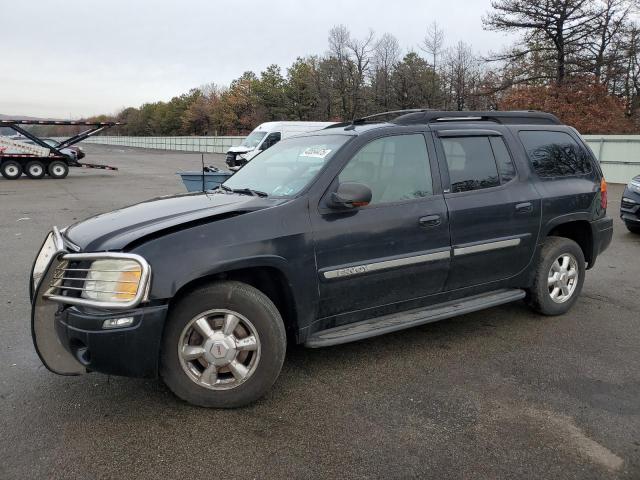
(602, 233)
(132, 351)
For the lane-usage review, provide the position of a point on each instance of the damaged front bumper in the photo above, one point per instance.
(73, 335)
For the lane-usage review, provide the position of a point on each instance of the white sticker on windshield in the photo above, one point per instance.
(316, 152)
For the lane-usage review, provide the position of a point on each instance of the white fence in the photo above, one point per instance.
(619, 155)
(184, 144)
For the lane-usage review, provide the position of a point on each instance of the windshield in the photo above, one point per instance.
(253, 139)
(287, 167)
(53, 143)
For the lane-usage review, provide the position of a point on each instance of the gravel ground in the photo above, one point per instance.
(502, 393)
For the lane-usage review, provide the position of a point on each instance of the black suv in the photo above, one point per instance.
(354, 231)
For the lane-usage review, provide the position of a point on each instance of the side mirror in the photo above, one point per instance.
(350, 195)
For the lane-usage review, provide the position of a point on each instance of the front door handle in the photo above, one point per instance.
(525, 207)
(430, 221)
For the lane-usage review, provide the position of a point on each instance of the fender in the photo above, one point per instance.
(561, 219)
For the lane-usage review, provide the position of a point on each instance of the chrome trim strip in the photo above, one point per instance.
(141, 293)
(386, 264)
(485, 247)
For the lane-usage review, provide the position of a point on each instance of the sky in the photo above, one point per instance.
(68, 58)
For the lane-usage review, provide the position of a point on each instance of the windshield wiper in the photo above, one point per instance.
(249, 191)
(223, 187)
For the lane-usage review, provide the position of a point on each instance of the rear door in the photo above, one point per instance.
(395, 249)
(494, 212)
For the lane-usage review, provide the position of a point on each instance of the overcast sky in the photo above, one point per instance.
(70, 58)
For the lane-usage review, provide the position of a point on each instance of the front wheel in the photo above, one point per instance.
(558, 278)
(633, 227)
(223, 346)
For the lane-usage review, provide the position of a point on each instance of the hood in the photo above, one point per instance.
(115, 230)
(239, 149)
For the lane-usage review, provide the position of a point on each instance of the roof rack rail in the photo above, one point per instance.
(528, 117)
(362, 120)
(58, 122)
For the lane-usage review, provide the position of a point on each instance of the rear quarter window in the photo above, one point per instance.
(555, 154)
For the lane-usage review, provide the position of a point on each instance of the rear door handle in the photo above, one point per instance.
(526, 207)
(430, 221)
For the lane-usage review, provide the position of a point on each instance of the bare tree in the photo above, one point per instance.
(385, 57)
(562, 25)
(433, 45)
(361, 51)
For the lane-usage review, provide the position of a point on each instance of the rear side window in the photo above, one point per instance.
(477, 162)
(555, 154)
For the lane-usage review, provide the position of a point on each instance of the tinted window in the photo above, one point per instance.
(395, 168)
(555, 154)
(506, 170)
(471, 163)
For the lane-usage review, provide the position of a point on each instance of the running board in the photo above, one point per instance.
(411, 318)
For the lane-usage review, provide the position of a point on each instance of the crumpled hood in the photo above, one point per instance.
(240, 149)
(115, 230)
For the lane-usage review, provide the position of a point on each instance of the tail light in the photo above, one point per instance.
(603, 194)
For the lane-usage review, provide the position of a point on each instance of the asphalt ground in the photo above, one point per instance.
(502, 393)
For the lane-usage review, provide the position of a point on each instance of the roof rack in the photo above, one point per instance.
(528, 117)
(363, 120)
(58, 122)
(423, 115)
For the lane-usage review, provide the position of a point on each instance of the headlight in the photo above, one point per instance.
(113, 280)
(634, 186)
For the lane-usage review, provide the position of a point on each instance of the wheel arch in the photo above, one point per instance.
(576, 228)
(269, 279)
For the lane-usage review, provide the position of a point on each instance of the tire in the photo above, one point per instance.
(632, 227)
(540, 295)
(35, 170)
(10, 169)
(58, 169)
(257, 317)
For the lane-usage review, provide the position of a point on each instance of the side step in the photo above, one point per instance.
(411, 318)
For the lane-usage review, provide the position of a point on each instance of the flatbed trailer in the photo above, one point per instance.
(42, 158)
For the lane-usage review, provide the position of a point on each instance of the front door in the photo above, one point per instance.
(396, 248)
(494, 212)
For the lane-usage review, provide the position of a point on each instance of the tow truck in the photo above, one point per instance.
(36, 158)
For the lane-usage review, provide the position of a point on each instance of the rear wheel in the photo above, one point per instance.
(58, 169)
(223, 346)
(559, 277)
(10, 169)
(35, 169)
(633, 227)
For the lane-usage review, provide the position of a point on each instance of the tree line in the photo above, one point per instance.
(578, 59)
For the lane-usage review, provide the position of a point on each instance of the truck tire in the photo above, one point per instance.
(58, 169)
(633, 227)
(559, 276)
(223, 345)
(10, 169)
(35, 169)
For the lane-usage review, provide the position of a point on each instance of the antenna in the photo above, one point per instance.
(202, 159)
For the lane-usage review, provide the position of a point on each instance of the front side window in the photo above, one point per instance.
(395, 168)
(289, 166)
(271, 140)
(555, 154)
(471, 163)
